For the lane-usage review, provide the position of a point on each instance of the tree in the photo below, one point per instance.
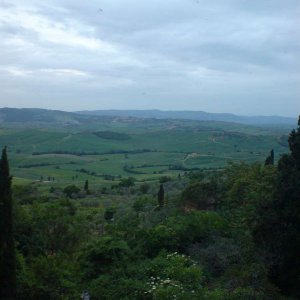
(280, 229)
(200, 195)
(86, 186)
(161, 196)
(127, 182)
(270, 159)
(294, 143)
(7, 247)
(287, 271)
(71, 190)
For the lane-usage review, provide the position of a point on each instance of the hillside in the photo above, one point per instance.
(194, 115)
(33, 117)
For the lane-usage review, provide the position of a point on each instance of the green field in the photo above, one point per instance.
(146, 149)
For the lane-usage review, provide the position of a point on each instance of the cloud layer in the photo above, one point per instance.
(235, 56)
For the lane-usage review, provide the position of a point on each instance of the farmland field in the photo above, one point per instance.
(110, 149)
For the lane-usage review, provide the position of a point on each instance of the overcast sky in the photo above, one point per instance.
(238, 56)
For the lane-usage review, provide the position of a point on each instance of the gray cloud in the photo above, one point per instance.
(221, 56)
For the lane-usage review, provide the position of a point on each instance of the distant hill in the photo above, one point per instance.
(195, 115)
(34, 117)
(24, 115)
(110, 119)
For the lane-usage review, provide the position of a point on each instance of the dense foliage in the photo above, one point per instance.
(7, 249)
(230, 234)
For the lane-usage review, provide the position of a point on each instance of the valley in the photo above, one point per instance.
(103, 149)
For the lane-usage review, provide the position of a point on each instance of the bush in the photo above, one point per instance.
(175, 276)
(101, 255)
(71, 190)
(200, 195)
(127, 182)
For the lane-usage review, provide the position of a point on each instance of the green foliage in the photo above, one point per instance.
(107, 287)
(200, 195)
(7, 247)
(160, 237)
(47, 277)
(196, 226)
(180, 231)
(127, 182)
(220, 244)
(141, 204)
(100, 255)
(71, 190)
(236, 294)
(48, 229)
(294, 143)
(249, 191)
(216, 253)
(175, 276)
(280, 228)
(24, 194)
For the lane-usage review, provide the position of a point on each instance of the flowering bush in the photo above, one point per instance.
(175, 276)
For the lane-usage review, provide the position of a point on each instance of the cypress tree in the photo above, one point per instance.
(270, 159)
(280, 224)
(161, 196)
(86, 186)
(287, 273)
(7, 248)
(294, 143)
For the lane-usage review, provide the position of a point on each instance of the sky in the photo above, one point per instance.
(236, 56)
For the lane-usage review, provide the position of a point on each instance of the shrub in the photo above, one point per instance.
(71, 190)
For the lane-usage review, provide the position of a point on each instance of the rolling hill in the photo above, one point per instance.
(194, 115)
(44, 143)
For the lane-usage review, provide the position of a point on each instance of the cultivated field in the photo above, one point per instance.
(107, 150)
